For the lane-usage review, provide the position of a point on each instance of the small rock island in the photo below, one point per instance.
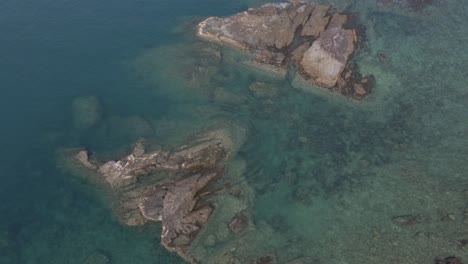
(171, 187)
(316, 41)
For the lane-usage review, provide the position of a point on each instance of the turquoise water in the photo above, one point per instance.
(328, 174)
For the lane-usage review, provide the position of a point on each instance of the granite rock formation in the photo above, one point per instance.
(313, 39)
(170, 187)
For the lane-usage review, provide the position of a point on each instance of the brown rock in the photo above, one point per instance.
(298, 53)
(176, 195)
(83, 158)
(308, 36)
(328, 56)
(268, 26)
(239, 223)
(317, 22)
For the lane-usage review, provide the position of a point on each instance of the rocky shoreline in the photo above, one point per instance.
(312, 39)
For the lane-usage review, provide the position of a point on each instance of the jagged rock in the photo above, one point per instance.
(318, 21)
(177, 199)
(272, 25)
(316, 41)
(127, 170)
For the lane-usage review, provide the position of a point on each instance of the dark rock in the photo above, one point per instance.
(449, 260)
(462, 243)
(382, 57)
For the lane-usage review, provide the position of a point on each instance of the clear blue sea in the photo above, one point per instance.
(327, 174)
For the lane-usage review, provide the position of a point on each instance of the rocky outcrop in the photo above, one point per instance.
(170, 187)
(320, 44)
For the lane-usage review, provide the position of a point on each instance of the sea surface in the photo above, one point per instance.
(328, 174)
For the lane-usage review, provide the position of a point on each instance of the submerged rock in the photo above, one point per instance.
(449, 260)
(262, 89)
(316, 41)
(86, 112)
(264, 260)
(414, 5)
(239, 223)
(407, 220)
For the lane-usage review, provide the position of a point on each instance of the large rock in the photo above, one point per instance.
(170, 187)
(317, 22)
(318, 42)
(325, 61)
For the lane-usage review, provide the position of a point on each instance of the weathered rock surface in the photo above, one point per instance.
(449, 260)
(166, 186)
(317, 42)
(326, 59)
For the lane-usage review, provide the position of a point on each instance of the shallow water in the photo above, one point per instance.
(328, 174)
